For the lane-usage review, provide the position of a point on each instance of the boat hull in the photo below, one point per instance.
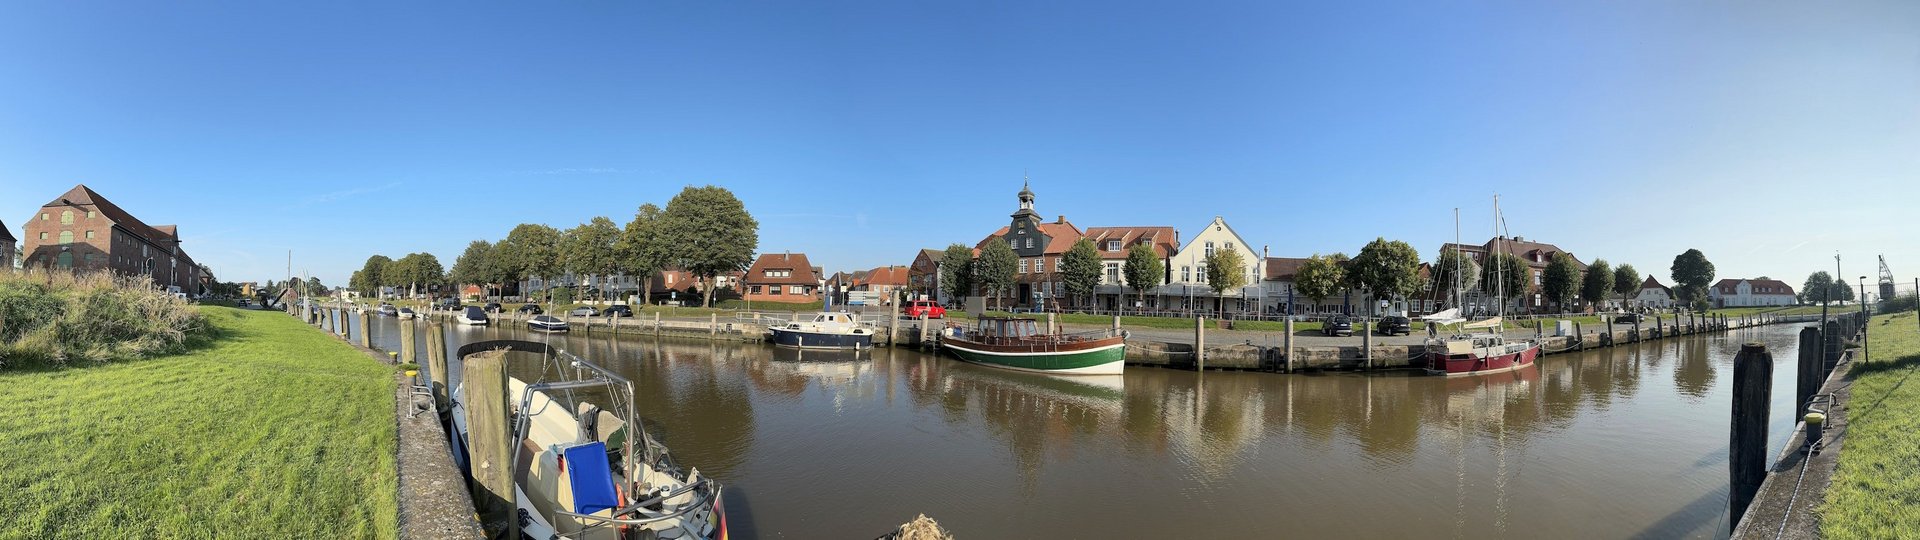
(1461, 365)
(820, 340)
(1104, 359)
(470, 322)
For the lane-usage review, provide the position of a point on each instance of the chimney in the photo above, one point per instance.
(1062, 219)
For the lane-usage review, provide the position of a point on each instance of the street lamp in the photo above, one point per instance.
(1863, 295)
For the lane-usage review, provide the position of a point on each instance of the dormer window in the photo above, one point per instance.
(1113, 245)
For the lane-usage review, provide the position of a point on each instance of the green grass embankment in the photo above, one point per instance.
(269, 430)
(1876, 491)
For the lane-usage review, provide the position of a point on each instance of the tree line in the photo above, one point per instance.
(705, 231)
(1390, 269)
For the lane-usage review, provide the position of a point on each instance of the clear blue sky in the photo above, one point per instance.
(859, 132)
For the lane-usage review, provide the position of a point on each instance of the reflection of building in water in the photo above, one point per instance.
(1035, 412)
(1210, 424)
(843, 375)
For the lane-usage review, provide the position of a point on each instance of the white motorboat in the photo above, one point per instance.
(546, 323)
(587, 472)
(827, 330)
(472, 316)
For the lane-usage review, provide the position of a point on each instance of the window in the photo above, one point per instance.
(1029, 243)
(1113, 273)
(89, 235)
(1536, 277)
(66, 237)
(1209, 249)
(43, 216)
(1023, 266)
(1056, 264)
(1013, 242)
(89, 214)
(43, 235)
(66, 217)
(796, 289)
(1200, 274)
(1113, 245)
(1229, 246)
(1186, 273)
(773, 291)
(66, 260)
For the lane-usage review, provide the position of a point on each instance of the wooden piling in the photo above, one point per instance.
(490, 441)
(893, 323)
(1366, 342)
(1200, 343)
(924, 337)
(1116, 324)
(406, 342)
(1609, 339)
(656, 323)
(1830, 346)
(1809, 376)
(366, 329)
(437, 363)
(1288, 343)
(1580, 337)
(713, 324)
(1752, 393)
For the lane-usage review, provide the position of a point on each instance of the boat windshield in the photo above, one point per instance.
(1010, 328)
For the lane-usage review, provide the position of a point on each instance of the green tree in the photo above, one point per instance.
(956, 271)
(1320, 276)
(1444, 268)
(995, 269)
(1842, 291)
(530, 250)
(1626, 282)
(370, 279)
(413, 272)
(1598, 283)
(1144, 270)
(1817, 288)
(589, 250)
(711, 233)
(1080, 268)
(1692, 273)
(1226, 271)
(475, 266)
(1562, 280)
(1387, 269)
(315, 288)
(641, 250)
(1504, 275)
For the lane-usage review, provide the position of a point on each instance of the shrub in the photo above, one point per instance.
(62, 319)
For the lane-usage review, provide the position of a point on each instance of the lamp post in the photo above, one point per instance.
(1863, 297)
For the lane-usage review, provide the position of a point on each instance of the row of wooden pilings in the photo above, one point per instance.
(1821, 350)
(1289, 357)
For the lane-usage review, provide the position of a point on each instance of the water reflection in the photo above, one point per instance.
(847, 444)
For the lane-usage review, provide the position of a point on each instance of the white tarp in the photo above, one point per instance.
(1450, 316)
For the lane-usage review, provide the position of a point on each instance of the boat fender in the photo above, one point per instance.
(1124, 334)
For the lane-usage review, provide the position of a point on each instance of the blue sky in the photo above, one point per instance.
(859, 132)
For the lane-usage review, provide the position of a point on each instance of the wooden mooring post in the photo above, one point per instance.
(1200, 343)
(1752, 393)
(1287, 342)
(893, 323)
(490, 441)
(366, 329)
(1366, 342)
(713, 324)
(1810, 374)
(437, 363)
(406, 342)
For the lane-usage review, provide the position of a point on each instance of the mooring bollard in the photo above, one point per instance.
(366, 327)
(406, 341)
(1366, 342)
(1752, 392)
(1831, 347)
(485, 380)
(437, 363)
(713, 324)
(1116, 324)
(1199, 343)
(924, 338)
(1288, 343)
(1809, 376)
(656, 323)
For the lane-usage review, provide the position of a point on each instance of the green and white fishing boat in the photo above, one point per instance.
(1018, 344)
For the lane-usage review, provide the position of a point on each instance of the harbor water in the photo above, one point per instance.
(1622, 442)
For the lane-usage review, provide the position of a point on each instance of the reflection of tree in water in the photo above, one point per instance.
(1035, 414)
(1694, 372)
(697, 400)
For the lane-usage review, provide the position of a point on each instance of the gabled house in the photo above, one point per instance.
(1039, 245)
(1188, 289)
(782, 277)
(1751, 292)
(886, 280)
(1654, 295)
(81, 230)
(1536, 255)
(923, 276)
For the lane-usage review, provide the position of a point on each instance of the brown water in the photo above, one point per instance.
(1615, 443)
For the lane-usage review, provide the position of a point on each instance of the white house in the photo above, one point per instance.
(1188, 286)
(1654, 295)
(1751, 292)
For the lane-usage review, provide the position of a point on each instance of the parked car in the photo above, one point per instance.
(531, 309)
(1338, 325)
(618, 310)
(1394, 325)
(449, 304)
(584, 311)
(1628, 318)
(494, 307)
(923, 307)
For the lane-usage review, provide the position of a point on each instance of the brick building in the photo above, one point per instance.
(1039, 244)
(82, 231)
(782, 277)
(1536, 255)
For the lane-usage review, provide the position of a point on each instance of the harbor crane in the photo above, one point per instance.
(1886, 279)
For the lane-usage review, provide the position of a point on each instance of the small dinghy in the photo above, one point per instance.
(387, 310)
(546, 323)
(584, 471)
(405, 313)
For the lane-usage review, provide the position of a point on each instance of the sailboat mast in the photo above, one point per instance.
(1459, 296)
(1500, 295)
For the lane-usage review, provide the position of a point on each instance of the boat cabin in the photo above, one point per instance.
(841, 318)
(1004, 327)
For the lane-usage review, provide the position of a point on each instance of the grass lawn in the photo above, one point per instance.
(1876, 492)
(274, 430)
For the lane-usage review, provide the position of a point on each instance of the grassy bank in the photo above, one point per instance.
(1875, 493)
(270, 430)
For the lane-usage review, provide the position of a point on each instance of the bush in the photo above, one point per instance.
(61, 319)
(1898, 304)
